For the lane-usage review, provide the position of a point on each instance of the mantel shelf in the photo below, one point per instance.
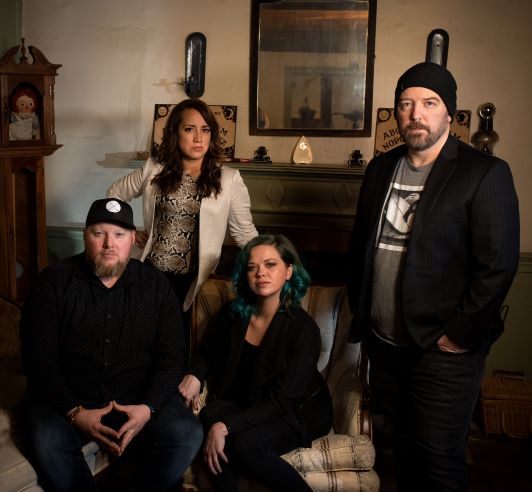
(303, 170)
(279, 168)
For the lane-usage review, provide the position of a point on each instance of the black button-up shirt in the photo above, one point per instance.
(84, 343)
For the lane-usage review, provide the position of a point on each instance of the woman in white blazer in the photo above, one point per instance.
(189, 200)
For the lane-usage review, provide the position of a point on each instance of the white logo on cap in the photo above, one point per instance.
(113, 206)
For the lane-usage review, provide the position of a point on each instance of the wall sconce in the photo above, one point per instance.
(195, 53)
(437, 47)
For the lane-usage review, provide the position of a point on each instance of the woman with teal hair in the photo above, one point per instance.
(293, 289)
(259, 359)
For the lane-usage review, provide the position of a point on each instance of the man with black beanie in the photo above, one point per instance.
(434, 250)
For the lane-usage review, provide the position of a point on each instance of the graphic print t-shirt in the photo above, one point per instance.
(392, 243)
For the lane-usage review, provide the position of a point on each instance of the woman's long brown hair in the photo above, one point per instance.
(170, 156)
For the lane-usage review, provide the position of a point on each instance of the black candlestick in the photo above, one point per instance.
(261, 155)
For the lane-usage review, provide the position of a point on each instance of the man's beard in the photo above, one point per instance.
(423, 142)
(101, 270)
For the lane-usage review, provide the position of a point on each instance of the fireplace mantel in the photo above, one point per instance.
(313, 206)
(302, 197)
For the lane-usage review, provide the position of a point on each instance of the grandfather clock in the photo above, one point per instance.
(27, 135)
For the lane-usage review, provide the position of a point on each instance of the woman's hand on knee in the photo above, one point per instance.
(214, 447)
(189, 388)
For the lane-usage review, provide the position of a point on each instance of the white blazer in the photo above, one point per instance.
(231, 208)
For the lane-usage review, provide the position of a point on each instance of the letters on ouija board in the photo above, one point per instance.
(387, 133)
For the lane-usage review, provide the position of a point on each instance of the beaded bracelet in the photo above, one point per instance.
(74, 414)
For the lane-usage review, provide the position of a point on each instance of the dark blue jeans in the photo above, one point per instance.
(164, 449)
(255, 453)
(428, 398)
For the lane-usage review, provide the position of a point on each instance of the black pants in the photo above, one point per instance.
(181, 284)
(428, 398)
(255, 453)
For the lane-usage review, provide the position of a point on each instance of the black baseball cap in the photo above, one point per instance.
(112, 211)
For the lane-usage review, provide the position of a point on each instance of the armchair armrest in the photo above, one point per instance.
(351, 413)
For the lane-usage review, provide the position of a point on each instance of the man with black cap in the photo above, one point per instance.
(434, 250)
(103, 351)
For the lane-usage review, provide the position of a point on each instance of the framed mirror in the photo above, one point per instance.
(311, 69)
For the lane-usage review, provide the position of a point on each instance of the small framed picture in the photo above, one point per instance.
(225, 116)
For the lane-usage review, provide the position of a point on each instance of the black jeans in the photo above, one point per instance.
(428, 398)
(255, 453)
(181, 284)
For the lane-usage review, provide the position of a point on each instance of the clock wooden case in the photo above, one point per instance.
(27, 135)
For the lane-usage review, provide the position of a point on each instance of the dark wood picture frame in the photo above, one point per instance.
(276, 27)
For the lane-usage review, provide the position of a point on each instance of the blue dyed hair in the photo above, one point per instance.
(293, 290)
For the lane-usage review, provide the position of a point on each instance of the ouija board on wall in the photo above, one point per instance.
(387, 133)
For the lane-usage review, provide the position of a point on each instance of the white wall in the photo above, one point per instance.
(120, 57)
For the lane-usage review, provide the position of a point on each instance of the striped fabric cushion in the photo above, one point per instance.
(334, 452)
(343, 481)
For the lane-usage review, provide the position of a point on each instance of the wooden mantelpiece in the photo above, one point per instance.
(302, 197)
(313, 206)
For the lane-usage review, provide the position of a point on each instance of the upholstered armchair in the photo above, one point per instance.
(343, 460)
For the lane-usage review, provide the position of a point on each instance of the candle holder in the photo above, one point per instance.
(261, 155)
(356, 159)
(486, 137)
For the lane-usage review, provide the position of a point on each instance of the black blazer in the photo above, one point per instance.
(285, 383)
(462, 254)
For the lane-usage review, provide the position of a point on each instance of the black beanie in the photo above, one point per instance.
(432, 76)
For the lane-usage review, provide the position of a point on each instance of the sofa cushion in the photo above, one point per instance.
(322, 304)
(213, 295)
(333, 452)
(341, 481)
(15, 471)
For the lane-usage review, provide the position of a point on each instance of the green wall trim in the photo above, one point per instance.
(525, 263)
(64, 242)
